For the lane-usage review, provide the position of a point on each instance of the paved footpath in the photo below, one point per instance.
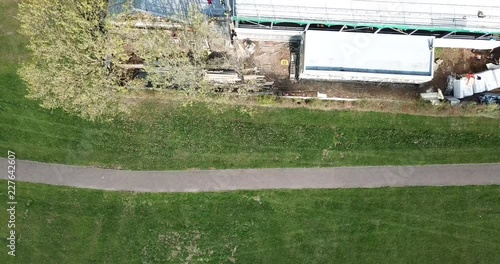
(254, 179)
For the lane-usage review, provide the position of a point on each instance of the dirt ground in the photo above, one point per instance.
(459, 61)
(268, 58)
(385, 91)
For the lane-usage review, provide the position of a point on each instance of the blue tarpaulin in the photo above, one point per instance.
(489, 98)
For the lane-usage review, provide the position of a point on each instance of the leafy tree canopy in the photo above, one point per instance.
(76, 52)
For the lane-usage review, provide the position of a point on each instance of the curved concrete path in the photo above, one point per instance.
(254, 179)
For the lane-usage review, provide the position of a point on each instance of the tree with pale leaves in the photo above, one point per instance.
(68, 45)
(76, 51)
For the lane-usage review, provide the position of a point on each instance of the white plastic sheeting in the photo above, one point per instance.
(349, 56)
(435, 14)
(288, 35)
(476, 83)
(465, 43)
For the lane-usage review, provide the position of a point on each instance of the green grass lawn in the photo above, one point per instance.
(168, 137)
(196, 137)
(403, 225)
(400, 225)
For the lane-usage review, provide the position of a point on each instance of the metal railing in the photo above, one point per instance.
(404, 14)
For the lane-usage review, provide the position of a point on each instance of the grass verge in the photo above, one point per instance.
(196, 136)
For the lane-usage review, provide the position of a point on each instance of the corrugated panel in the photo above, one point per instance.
(439, 14)
(166, 8)
(172, 9)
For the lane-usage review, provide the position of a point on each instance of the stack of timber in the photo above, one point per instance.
(223, 76)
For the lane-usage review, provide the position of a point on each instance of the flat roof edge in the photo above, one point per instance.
(366, 78)
(360, 70)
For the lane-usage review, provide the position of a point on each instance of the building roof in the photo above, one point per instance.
(367, 57)
(171, 9)
(456, 15)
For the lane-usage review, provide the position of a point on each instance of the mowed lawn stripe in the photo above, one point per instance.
(206, 139)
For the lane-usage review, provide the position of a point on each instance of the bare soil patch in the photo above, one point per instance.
(268, 58)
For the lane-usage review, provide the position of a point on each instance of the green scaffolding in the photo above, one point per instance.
(402, 27)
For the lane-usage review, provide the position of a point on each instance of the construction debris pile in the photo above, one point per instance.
(251, 82)
(482, 86)
(475, 83)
